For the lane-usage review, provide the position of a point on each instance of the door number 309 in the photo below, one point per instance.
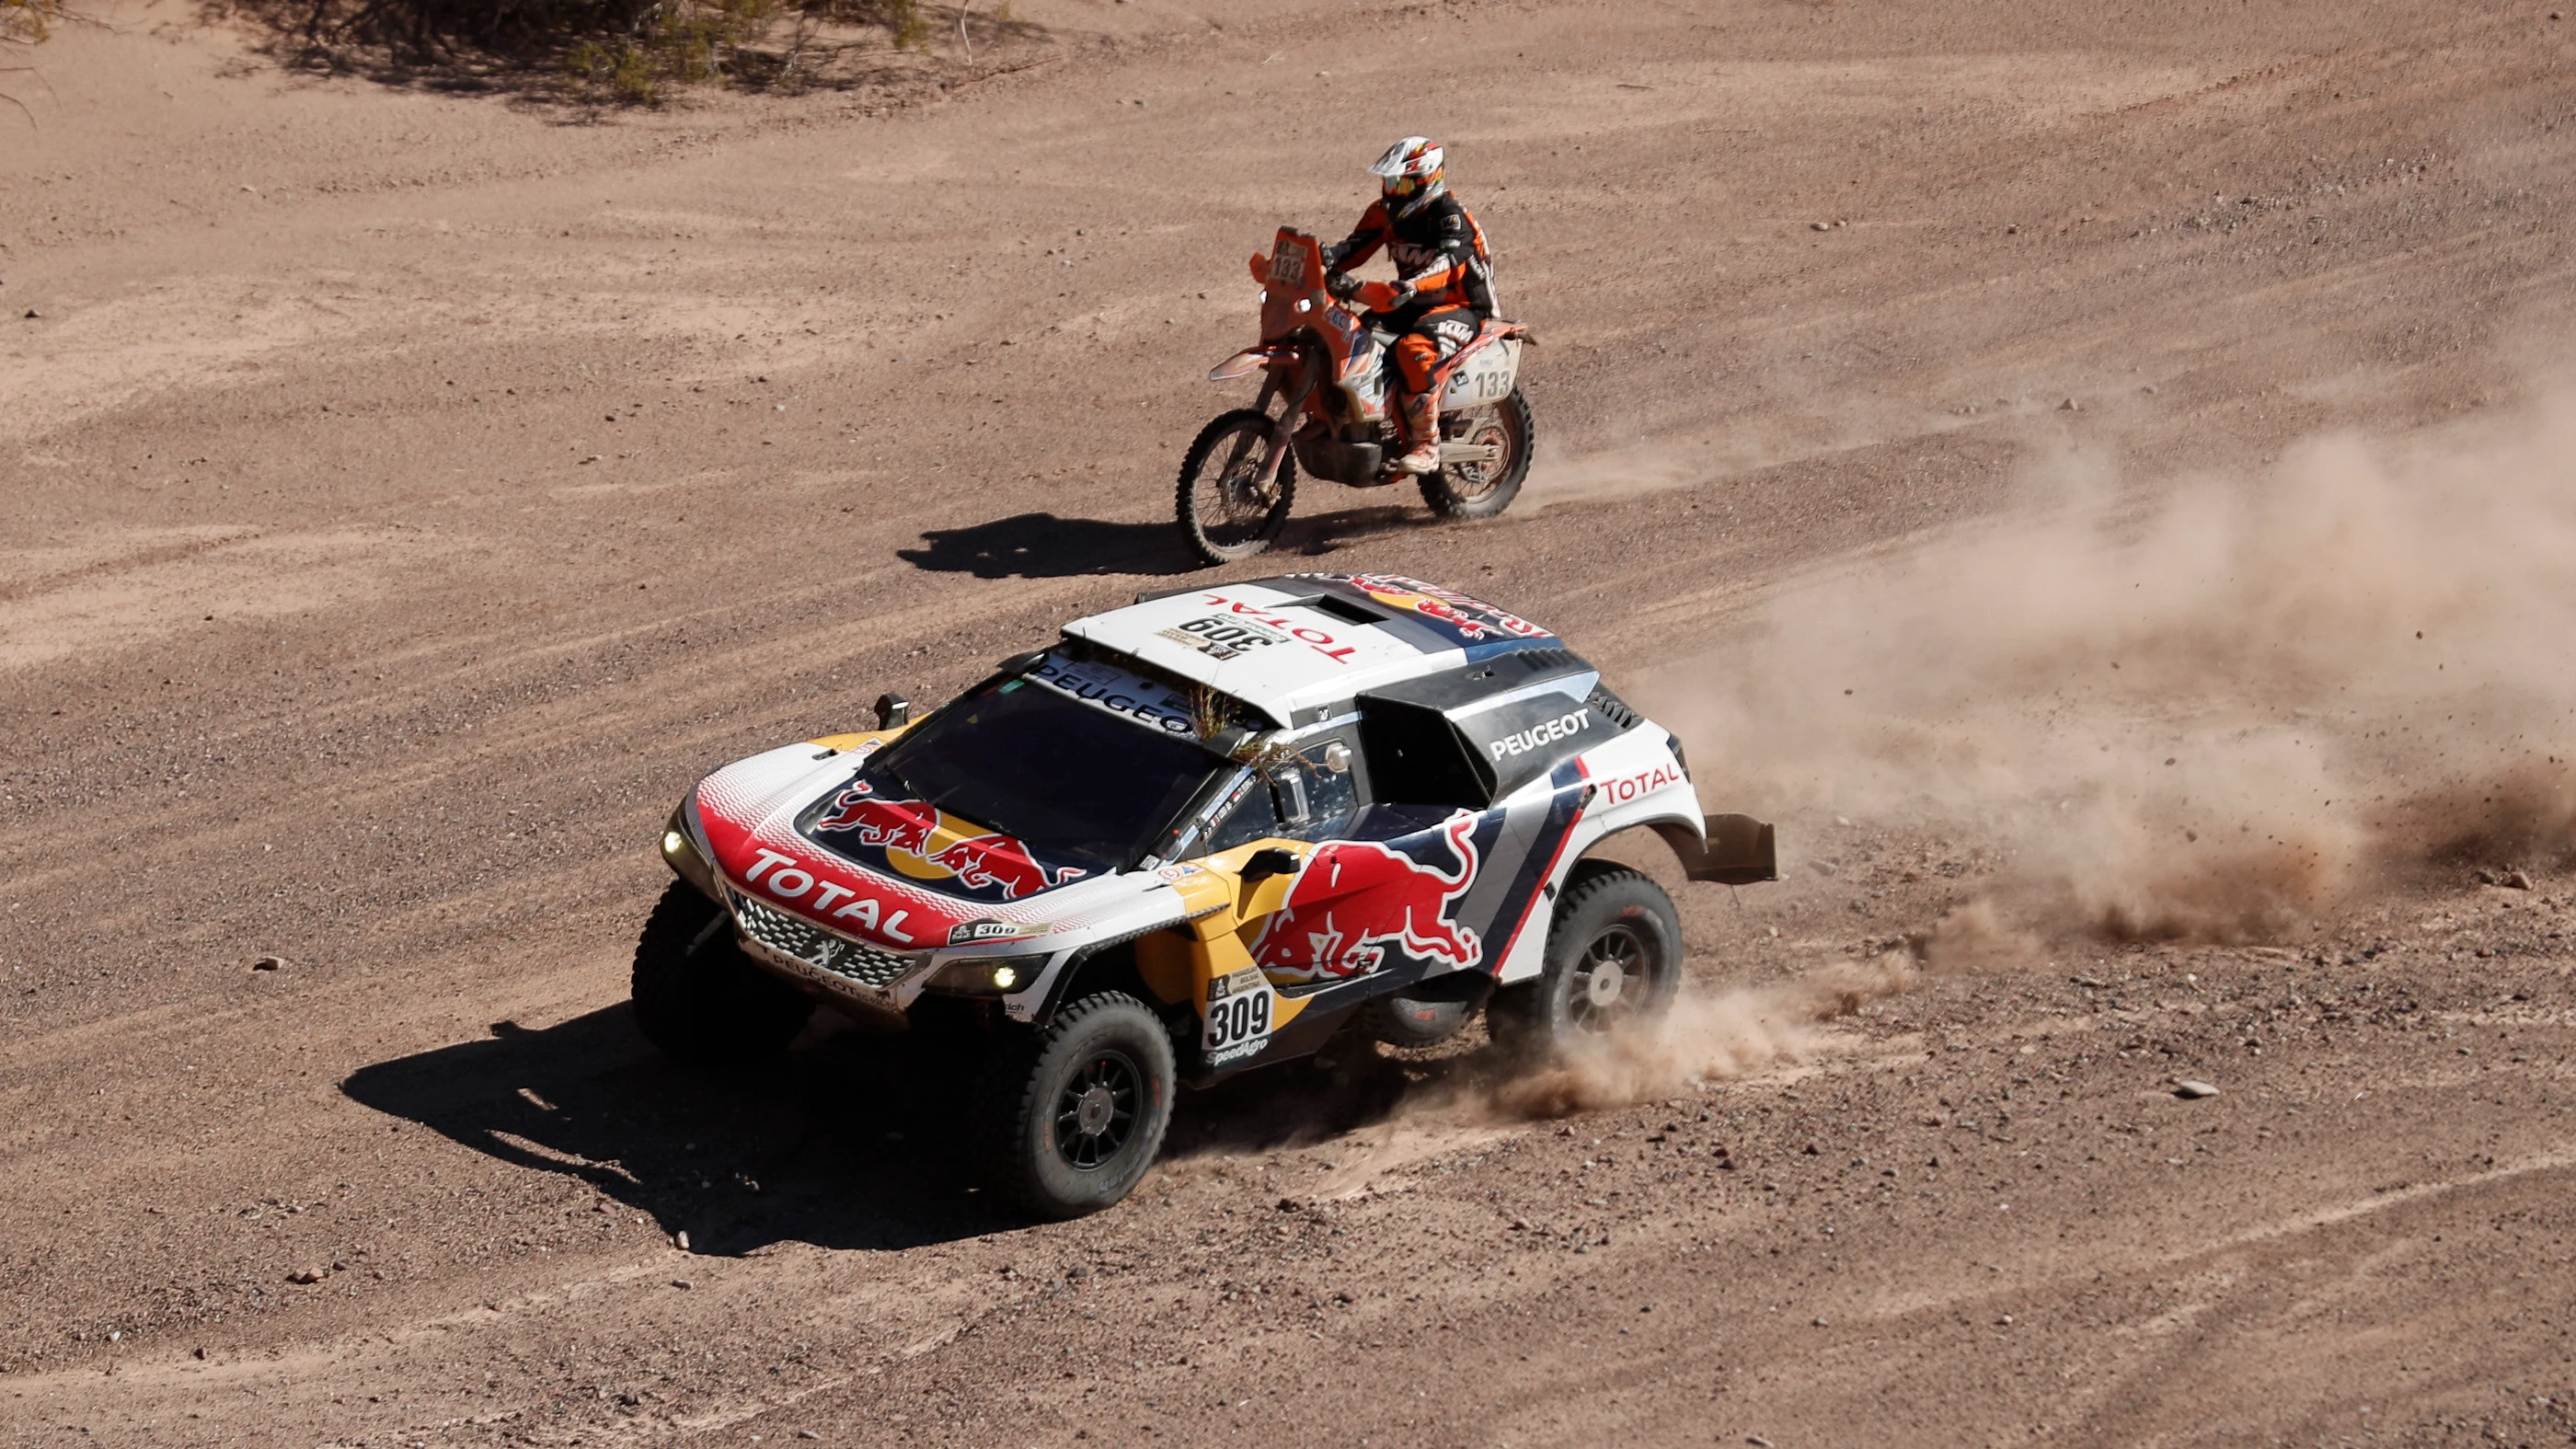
(1238, 1019)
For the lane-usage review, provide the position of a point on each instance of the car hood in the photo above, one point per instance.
(796, 828)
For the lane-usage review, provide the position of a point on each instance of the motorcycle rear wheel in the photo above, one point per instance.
(1481, 490)
(1225, 511)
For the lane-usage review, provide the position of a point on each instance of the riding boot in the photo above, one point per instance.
(1419, 417)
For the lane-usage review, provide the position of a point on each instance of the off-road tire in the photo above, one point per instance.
(1468, 495)
(1037, 1091)
(1608, 916)
(1226, 545)
(698, 998)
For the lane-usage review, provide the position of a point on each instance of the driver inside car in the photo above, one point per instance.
(1444, 282)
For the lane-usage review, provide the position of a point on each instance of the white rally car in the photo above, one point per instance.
(1194, 836)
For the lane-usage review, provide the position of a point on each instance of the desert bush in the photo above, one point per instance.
(26, 22)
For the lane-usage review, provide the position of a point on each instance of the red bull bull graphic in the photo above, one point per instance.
(918, 839)
(859, 814)
(1356, 899)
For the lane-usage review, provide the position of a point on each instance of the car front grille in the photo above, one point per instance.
(784, 934)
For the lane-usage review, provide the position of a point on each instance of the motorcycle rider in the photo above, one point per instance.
(1444, 286)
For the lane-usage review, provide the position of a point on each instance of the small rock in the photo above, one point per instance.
(200, 1353)
(305, 1275)
(269, 963)
(682, 1283)
(32, 312)
(2194, 1091)
(1757, 1440)
(2069, 406)
(1822, 225)
(2012, 231)
(680, 1240)
(2006, 1320)
(807, 1434)
(2514, 880)
(1820, 1323)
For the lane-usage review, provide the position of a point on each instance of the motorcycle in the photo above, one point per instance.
(1326, 405)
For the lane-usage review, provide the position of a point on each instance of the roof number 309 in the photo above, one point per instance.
(1218, 630)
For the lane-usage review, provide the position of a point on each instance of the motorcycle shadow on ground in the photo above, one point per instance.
(1043, 546)
(853, 1141)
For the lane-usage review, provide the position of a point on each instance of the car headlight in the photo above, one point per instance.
(986, 975)
(680, 853)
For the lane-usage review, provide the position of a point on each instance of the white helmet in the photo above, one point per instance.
(1411, 172)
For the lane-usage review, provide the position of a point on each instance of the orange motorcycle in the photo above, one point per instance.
(1326, 406)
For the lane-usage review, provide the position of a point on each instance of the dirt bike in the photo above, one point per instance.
(1326, 406)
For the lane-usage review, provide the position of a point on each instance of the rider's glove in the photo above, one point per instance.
(1403, 294)
(1342, 285)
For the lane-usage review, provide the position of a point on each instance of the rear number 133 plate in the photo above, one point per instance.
(1239, 1011)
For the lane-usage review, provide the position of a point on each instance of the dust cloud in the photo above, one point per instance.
(2207, 716)
(1732, 1033)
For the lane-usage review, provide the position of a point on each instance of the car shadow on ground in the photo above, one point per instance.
(1043, 546)
(840, 1144)
(852, 1140)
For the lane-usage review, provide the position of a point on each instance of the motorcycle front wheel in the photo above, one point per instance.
(1226, 510)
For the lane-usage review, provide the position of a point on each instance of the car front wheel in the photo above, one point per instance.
(698, 998)
(1077, 1112)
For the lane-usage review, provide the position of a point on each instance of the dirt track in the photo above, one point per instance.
(411, 493)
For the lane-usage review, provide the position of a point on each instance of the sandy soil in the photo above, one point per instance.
(411, 492)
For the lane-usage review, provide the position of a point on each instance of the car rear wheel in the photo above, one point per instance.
(1077, 1112)
(1614, 958)
(698, 998)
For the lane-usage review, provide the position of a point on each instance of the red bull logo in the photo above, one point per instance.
(1473, 619)
(1354, 899)
(925, 842)
(886, 824)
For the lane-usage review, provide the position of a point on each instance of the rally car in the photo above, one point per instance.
(1195, 836)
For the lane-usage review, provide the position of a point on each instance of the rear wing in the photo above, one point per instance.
(1738, 850)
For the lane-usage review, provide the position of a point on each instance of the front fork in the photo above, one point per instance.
(1296, 390)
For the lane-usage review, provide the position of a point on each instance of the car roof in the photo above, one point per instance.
(1301, 646)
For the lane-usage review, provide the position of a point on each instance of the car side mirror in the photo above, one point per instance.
(1289, 789)
(892, 710)
(1269, 861)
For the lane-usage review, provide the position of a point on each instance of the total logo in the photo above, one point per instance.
(1645, 782)
(786, 880)
(1313, 638)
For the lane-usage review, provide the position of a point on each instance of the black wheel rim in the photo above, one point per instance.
(1613, 981)
(1231, 499)
(1096, 1111)
(1471, 482)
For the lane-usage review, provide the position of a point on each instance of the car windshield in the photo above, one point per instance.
(1067, 778)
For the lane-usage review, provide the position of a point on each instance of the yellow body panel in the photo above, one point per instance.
(1225, 918)
(846, 743)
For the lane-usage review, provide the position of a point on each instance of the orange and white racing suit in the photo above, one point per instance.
(1439, 250)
